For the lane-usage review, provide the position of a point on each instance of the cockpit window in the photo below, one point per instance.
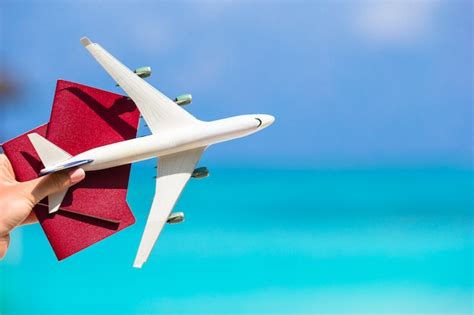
(259, 122)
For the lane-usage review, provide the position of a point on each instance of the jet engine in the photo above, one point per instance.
(143, 72)
(184, 99)
(176, 217)
(200, 172)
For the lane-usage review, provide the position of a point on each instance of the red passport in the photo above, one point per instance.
(82, 118)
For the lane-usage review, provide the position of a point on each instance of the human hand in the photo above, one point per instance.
(18, 199)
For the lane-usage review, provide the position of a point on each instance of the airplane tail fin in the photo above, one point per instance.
(50, 154)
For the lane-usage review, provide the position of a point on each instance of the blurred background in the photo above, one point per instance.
(359, 199)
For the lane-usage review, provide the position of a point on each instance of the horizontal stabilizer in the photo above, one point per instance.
(65, 166)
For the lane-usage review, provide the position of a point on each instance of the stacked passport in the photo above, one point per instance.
(82, 118)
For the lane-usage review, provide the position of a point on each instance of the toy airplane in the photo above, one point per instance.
(178, 139)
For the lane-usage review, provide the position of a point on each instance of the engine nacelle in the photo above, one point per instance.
(184, 99)
(200, 172)
(176, 217)
(143, 72)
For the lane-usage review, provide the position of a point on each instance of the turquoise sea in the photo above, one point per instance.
(380, 241)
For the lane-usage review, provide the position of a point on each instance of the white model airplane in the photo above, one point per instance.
(178, 139)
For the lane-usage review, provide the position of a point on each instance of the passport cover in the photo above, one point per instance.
(82, 118)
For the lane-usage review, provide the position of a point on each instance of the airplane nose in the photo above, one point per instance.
(266, 120)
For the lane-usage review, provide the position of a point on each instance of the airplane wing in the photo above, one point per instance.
(159, 111)
(174, 171)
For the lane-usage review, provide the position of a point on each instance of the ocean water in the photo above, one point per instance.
(270, 241)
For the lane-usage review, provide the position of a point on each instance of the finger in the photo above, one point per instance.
(30, 219)
(44, 186)
(6, 167)
(4, 242)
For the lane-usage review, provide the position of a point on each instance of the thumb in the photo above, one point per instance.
(42, 187)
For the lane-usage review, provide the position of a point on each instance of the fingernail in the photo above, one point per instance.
(77, 175)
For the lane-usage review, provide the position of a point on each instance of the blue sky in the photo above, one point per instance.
(351, 83)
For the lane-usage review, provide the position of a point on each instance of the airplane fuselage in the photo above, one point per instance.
(198, 135)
